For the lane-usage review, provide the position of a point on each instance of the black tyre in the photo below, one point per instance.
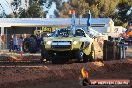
(79, 55)
(44, 56)
(57, 60)
(91, 56)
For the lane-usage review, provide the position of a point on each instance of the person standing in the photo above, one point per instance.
(11, 44)
(21, 43)
(15, 43)
(0, 42)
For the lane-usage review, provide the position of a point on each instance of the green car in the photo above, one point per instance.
(65, 44)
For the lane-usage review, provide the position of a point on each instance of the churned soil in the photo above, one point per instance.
(42, 75)
(63, 75)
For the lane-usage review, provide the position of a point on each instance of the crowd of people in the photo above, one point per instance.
(15, 43)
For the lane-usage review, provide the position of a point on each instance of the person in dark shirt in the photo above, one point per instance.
(11, 44)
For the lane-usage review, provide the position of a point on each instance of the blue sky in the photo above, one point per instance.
(5, 6)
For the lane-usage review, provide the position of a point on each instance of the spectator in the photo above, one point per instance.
(38, 41)
(11, 44)
(24, 36)
(15, 43)
(20, 43)
(0, 42)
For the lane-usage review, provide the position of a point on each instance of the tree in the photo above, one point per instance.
(99, 8)
(121, 16)
(58, 4)
(15, 6)
(94, 11)
(34, 11)
(64, 11)
(79, 6)
(34, 8)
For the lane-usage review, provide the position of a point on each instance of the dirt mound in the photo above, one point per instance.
(66, 75)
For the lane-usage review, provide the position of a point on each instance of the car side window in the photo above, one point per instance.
(79, 32)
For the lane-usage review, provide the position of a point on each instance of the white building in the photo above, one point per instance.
(11, 26)
(101, 25)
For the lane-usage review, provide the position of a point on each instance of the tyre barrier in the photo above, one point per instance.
(113, 51)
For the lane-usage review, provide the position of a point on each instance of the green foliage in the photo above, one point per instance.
(95, 11)
(65, 10)
(79, 6)
(58, 4)
(107, 7)
(33, 8)
(99, 8)
(116, 9)
(15, 6)
(34, 11)
(121, 15)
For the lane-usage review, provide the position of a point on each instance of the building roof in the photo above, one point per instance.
(8, 22)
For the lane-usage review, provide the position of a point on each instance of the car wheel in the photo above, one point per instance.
(56, 60)
(85, 59)
(44, 56)
(79, 55)
(91, 56)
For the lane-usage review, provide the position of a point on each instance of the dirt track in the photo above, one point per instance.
(63, 76)
(66, 76)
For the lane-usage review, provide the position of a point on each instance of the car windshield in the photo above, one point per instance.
(64, 32)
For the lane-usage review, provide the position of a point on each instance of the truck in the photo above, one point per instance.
(74, 42)
(66, 44)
